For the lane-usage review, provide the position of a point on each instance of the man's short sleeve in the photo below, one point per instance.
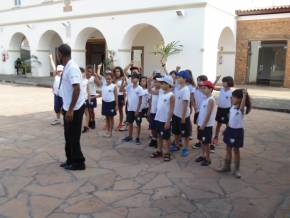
(75, 75)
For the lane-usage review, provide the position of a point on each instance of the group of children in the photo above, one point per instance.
(167, 102)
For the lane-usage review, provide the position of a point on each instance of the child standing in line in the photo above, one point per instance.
(224, 105)
(145, 98)
(109, 103)
(119, 75)
(197, 98)
(163, 118)
(181, 114)
(92, 93)
(234, 133)
(191, 85)
(134, 101)
(154, 88)
(85, 88)
(206, 120)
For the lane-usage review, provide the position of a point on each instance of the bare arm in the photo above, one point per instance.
(52, 64)
(98, 78)
(116, 97)
(216, 80)
(139, 105)
(243, 102)
(126, 69)
(75, 96)
(184, 110)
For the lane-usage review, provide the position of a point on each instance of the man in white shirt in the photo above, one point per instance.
(73, 109)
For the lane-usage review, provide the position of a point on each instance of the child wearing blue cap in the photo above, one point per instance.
(181, 114)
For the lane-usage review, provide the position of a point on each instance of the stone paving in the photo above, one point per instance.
(122, 181)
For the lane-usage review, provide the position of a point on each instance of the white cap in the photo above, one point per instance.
(59, 68)
(167, 79)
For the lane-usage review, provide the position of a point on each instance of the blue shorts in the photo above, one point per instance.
(108, 109)
(57, 103)
(163, 133)
(92, 103)
(234, 138)
(152, 122)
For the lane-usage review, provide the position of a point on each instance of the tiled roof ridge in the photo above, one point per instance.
(268, 10)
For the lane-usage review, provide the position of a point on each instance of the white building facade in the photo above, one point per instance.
(130, 28)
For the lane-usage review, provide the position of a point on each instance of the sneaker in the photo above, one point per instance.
(196, 145)
(138, 142)
(184, 152)
(107, 135)
(153, 143)
(93, 125)
(86, 129)
(199, 159)
(127, 139)
(237, 174)
(212, 148)
(190, 138)
(174, 148)
(74, 167)
(205, 163)
(124, 128)
(55, 122)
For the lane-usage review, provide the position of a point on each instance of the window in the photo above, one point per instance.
(17, 2)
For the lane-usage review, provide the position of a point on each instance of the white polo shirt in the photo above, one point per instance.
(182, 94)
(71, 75)
(133, 94)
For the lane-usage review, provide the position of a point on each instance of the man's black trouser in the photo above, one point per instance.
(72, 135)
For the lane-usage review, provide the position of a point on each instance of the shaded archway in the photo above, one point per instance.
(19, 54)
(226, 53)
(139, 44)
(90, 47)
(48, 44)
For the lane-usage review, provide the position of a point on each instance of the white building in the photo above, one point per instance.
(131, 28)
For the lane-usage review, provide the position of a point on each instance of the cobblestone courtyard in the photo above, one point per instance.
(122, 181)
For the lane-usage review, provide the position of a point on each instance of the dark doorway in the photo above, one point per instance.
(95, 51)
(271, 64)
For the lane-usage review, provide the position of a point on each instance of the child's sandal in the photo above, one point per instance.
(156, 154)
(167, 157)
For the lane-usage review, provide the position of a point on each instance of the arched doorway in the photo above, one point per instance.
(226, 53)
(139, 44)
(48, 44)
(19, 54)
(91, 46)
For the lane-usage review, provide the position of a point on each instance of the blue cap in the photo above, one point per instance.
(184, 74)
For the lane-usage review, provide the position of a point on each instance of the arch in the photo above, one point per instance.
(138, 45)
(90, 47)
(49, 39)
(19, 48)
(226, 53)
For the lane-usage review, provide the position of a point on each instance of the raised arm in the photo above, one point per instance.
(126, 69)
(243, 102)
(217, 79)
(98, 78)
(52, 64)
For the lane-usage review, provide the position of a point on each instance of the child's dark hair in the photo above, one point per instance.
(90, 67)
(82, 69)
(120, 69)
(191, 80)
(173, 72)
(238, 93)
(229, 80)
(202, 78)
(143, 77)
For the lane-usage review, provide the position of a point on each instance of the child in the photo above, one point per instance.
(145, 98)
(154, 88)
(134, 101)
(181, 114)
(234, 133)
(163, 118)
(109, 103)
(205, 121)
(92, 93)
(224, 105)
(119, 75)
(191, 85)
(85, 88)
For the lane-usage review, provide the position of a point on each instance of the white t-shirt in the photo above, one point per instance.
(203, 113)
(85, 87)
(145, 98)
(236, 120)
(191, 88)
(224, 100)
(108, 94)
(71, 75)
(133, 95)
(181, 95)
(154, 102)
(56, 85)
(119, 84)
(92, 87)
(199, 97)
(163, 107)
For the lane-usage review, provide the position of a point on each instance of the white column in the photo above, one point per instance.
(79, 56)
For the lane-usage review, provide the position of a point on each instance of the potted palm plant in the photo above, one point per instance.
(166, 50)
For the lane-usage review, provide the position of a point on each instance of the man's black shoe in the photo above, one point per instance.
(75, 167)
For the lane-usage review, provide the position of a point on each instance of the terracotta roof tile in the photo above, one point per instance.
(261, 11)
